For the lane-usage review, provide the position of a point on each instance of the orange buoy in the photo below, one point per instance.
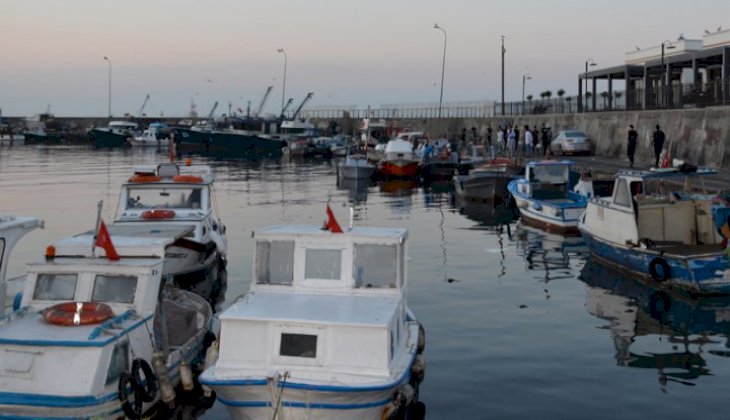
(144, 178)
(193, 179)
(158, 214)
(77, 313)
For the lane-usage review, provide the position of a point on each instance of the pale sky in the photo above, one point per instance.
(366, 52)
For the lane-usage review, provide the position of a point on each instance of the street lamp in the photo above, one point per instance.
(443, 66)
(524, 78)
(669, 46)
(283, 89)
(110, 84)
(591, 63)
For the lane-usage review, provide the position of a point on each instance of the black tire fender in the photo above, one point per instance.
(132, 409)
(666, 271)
(148, 386)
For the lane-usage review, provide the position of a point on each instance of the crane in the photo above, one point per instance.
(299, 108)
(141, 110)
(286, 106)
(263, 101)
(210, 114)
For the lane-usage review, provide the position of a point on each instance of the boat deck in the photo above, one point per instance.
(685, 250)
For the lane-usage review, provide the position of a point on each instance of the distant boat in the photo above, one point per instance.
(153, 136)
(399, 160)
(42, 129)
(486, 183)
(229, 142)
(113, 135)
(355, 166)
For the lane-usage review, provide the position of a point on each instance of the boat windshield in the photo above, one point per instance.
(551, 174)
(375, 266)
(177, 198)
(55, 287)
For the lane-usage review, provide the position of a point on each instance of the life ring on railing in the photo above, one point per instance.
(77, 313)
(659, 269)
(158, 214)
(192, 179)
(139, 178)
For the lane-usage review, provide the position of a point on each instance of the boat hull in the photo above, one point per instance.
(706, 273)
(399, 169)
(554, 216)
(35, 139)
(106, 139)
(356, 171)
(220, 144)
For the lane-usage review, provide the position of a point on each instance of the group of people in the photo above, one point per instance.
(513, 141)
(657, 140)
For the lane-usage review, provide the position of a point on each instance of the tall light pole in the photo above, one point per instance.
(503, 51)
(283, 89)
(664, 74)
(591, 63)
(110, 84)
(524, 78)
(443, 67)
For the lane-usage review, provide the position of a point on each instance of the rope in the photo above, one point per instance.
(281, 391)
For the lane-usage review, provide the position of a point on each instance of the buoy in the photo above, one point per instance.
(158, 214)
(418, 369)
(167, 391)
(140, 178)
(211, 356)
(193, 179)
(77, 313)
(186, 376)
(421, 338)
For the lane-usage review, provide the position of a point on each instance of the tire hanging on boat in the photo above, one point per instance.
(148, 387)
(664, 274)
(132, 409)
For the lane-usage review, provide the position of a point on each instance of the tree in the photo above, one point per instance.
(617, 94)
(561, 92)
(604, 95)
(569, 98)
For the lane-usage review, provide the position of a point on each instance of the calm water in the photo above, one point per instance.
(518, 324)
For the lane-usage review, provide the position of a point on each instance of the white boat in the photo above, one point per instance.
(115, 134)
(96, 338)
(170, 195)
(657, 228)
(544, 199)
(12, 229)
(151, 137)
(485, 183)
(325, 331)
(355, 167)
(399, 160)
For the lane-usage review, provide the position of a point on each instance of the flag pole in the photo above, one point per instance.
(99, 205)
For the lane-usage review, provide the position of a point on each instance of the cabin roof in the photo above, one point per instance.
(391, 234)
(373, 310)
(666, 174)
(166, 172)
(148, 239)
(550, 163)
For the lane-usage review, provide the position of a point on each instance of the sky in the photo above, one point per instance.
(348, 52)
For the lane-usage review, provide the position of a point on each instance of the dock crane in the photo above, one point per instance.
(141, 109)
(286, 106)
(299, 108)
(212, 111)
(263, 101)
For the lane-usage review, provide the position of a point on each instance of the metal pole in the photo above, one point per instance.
(443, 67)
(110, 85)
(283, 89)
(661, 71)
(503, 51)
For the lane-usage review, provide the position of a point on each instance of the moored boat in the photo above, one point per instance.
(153, 136)
(657, 228)
(12, 229)
(355, 166)
(113, 135)
(399, 160)
(325, 331)
(544, 198)
(487, 182)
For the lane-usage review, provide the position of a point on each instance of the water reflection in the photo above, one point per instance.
(549, 252)
(357, 189)
(669, 331)
(486, 214)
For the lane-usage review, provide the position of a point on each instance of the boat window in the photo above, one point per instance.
(110, 288)
(375, 266)
(275, 262)
(551, 174)
(118, 364)
(55, 287)
(174, 198)
(621, 196)
(323, 264)
(298, 345)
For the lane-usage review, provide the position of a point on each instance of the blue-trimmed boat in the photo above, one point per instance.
(92, 337)
(657, 228)
(325, 331)
(545, 199)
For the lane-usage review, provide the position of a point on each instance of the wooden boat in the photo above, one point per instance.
(325, 331)
(399, 160)
(487, 182)
(355, 166)
(655, 227)
(544, 199)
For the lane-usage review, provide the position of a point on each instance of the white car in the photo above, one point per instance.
(570, 142)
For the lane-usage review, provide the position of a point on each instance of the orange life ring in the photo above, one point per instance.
(78, 313)
(144, 178)
(193, 179)
(158, 214)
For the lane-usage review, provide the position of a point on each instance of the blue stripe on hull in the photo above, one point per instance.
(700, 273)
(314, 405)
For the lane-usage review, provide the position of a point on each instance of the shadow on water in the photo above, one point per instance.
(549, 252)
(669, 331)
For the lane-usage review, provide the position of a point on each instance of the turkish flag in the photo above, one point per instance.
(331, 223)
(104, 240)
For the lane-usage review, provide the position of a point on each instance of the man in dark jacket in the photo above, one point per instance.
(658, 142)
(633, 136)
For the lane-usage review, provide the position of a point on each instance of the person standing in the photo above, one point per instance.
(489, 135)
(528, 141)
(511, 141)
(631, 149)
(658, 142)
(545, 139)
(500, 140)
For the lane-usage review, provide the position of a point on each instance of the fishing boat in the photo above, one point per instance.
(113, 135)
(324, 332)
(101, 337)
(43, 129)
(487, 182)
(657, 228)
(355, 166)
(12, 229)
(181, 197)
(544, 198)
(226, 142)
(399, 161)
(153, 136)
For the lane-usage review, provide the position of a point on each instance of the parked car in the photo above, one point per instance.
(570, 142)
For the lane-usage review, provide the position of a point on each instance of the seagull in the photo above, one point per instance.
(637, 48)
(707, 32)
(719, 28)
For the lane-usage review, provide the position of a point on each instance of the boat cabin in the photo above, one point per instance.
(662, 207)
(546, 180)
(321, 300)
(122, 127)
(398, 149)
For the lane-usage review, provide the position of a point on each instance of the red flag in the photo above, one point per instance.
(665, 162)
(331, 223)
(104, 240)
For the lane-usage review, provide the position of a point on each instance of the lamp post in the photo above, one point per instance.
(503, 51)
(669, 46)
(591, 63)
(443, 67)
(110, 85)
(524, 78)
(283, 89)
